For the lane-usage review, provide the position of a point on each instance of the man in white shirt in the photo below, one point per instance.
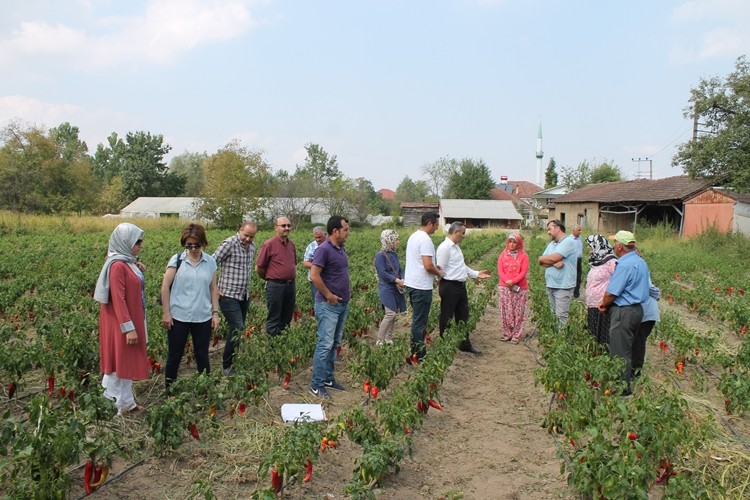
(418, 278)
(454, 301)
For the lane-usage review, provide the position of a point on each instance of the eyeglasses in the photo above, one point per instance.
(192, 246)
(139, 242)
(284, 225)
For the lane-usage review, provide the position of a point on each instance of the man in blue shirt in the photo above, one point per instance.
(627, 290)
(559, 261)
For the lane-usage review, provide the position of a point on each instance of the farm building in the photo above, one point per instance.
(154, 207)
(480, 213)
(411, 211)
(689, 205)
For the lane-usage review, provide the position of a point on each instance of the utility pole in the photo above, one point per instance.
(650, 167)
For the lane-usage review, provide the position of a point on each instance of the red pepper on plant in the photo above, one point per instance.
(88, 474)
(277, 480)
(50, 385)
(308, 470)
(435, 404)
(194, 431)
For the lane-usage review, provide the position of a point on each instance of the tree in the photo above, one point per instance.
(409, 190)
(139, 161)
(550, 175)
(585, 174)
(319, 171)
(722, 107)
(45, 172)
(472, 181)
(188, 165)
(235, 180)
(438, 173)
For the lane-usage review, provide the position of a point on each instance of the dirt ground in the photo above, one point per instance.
(488, 442)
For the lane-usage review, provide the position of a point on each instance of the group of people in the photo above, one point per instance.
(620, 297)
(191, 298)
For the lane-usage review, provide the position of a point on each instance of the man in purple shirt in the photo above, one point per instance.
(277, 264)
(330, 275)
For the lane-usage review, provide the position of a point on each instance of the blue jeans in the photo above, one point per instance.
(312, 292)
(235, 312)
(331, 319)
(421, 301)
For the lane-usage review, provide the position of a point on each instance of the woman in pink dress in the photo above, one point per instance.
(512, 267)
(122, 318)
(602, 259)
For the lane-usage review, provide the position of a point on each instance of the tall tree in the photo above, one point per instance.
(235, 180)
(320, 170)
(188, 165)
(472, 181)
(438, 174)
(409, 190)
(550, 175)
(607, 171)
(722, 106)
(139, 161)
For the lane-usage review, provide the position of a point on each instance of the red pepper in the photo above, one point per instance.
(215, 340)
(366, 386)
(194, 431)
(11, 390)
(277, 480)
(632, 436)
(374, 392)
(88, 473)
(422, 407)
(287, 379)
(435, 404)
(308, 470)
(50, 385)
(100, 476)
(241, 408)
(72, 394)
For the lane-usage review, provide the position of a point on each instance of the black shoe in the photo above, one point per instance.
(467, 347)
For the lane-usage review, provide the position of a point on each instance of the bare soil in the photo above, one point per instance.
(487, 443)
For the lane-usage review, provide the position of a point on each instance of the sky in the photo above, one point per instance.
(386, 86)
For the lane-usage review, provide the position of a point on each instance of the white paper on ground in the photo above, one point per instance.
(302, 412)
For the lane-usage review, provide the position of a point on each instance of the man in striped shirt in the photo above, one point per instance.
(235, 258)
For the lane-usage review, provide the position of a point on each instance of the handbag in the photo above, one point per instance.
(393, 268)
(177, 268)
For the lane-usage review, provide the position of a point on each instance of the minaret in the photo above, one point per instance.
(539, 156)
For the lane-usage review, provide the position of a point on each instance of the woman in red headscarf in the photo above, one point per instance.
(512, 267)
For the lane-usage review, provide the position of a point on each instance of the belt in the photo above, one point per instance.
(629, 305)
(282, 282)
(453, 281)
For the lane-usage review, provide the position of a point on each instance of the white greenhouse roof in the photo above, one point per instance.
(479, 209)
(161, 205)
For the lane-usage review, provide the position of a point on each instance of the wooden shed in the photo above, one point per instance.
(411, 211)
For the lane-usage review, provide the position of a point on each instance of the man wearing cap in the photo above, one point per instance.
(559, 261)
(277, 264)
(627, 290)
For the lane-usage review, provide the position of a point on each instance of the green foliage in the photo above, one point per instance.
(721, 107)
(235, 179)
(438, 174)
(472, 181)
(45, 173)
(550, 175)
(409, 190)
(139, 162)
(189, 166)
(586, 173)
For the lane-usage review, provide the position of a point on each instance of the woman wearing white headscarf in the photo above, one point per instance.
(390, 284)
(122, 318)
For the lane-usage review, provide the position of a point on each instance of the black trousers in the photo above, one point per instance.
(177, 338)
(280, 300)
(579, 270)
(454, 304)
(639, 346)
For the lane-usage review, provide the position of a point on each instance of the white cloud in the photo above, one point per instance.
(712, 29)
(163, 31)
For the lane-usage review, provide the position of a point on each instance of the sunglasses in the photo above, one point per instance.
(192, 246)
(284, 225)
(139, 242)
